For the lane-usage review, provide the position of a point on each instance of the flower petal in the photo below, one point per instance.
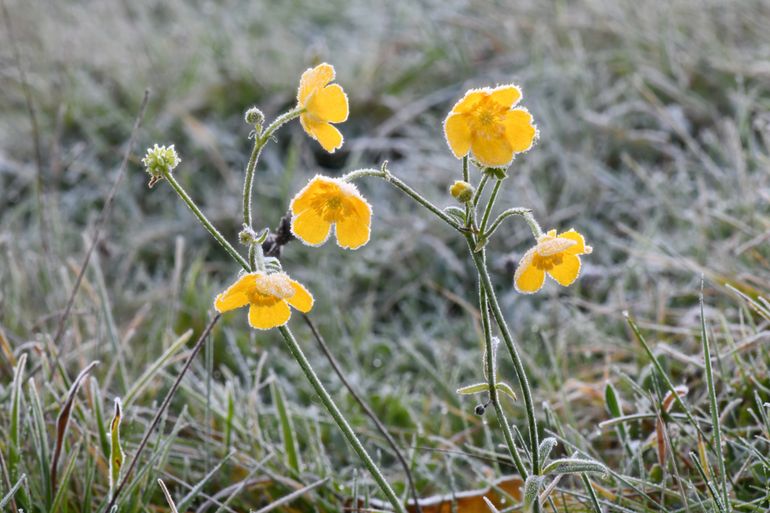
(329, 104)
(507, 95)
(327, 135)
(520, 130)
(579, 248)
(313, 79)
(458, 134)
(567, 271)
(266, 316)
(310, 228)
(528, 279)
(492, 152)
(236, 295)
(302, 300)
(468, 102)
(353, 229)
(318, 185)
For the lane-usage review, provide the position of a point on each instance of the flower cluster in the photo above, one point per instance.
(486, 126)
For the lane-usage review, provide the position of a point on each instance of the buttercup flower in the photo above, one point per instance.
(324, 104)
(324, 202)
(557, 255)
(485, 123)
(268, 297)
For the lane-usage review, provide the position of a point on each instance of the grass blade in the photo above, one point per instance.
(62, 421)
(288, 435)
(713, 405)
(116, 451)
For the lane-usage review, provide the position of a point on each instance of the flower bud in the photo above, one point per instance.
(254, 117)
(160, 160)
(461, 191)
(247, 236)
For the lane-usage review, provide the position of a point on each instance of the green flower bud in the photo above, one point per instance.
(160, 160)
(254, 117)
(461, 191)
(247, 236)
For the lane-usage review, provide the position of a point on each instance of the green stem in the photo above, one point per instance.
(204, 220)
(492, 380)
(479, 189)
(260, 140)
(526, 213)
(490, 204)
(466, 174)
(334, 411)
(388, 177)
(486, 284)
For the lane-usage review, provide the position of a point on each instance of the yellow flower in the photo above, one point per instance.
(323, 104)
(268, 297)
(485, 123)
(557, 255)
(324, 202)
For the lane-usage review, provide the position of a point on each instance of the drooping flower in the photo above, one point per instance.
(268, 297)
(556, 255)
(323, 105)
(324, 202)
(485, 124)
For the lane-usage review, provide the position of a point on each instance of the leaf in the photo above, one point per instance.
(117, 457)
(14, 455)
(476, 388)
(288, 435)
(531, 491)
(611, 401)
(62, 421)
(456, 212)
(574, 466)
(546, 446)
(506, 389)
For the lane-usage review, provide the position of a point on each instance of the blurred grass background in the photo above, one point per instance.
(655, 137)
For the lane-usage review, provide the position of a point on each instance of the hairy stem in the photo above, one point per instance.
(486, 284)
(204, 220)
(260, 140)
(494, 398)
(490, 204)
(334, 411)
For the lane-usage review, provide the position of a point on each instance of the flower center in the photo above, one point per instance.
(270, 288)
(546, 263)
(488, 120)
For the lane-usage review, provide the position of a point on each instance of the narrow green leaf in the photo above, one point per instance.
(713, 405)
(9, 496)
(288, 435)
(61, 492)
(116, 451)
(574, 466)
(96, 397)
(506, 389)
(62, 421)
(14, 454)
(476, 388)
(40, 439)
(546, 446)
